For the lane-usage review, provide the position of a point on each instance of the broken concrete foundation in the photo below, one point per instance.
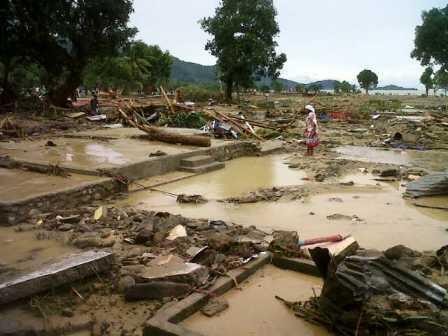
(69, 269)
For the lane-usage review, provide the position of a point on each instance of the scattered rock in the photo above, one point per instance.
(125, 282)
(50, 144)
(339, 217)
(214, 307)
(320, 177)
(400, 251)
(336, 199)
(392, 172)
(67, 312)
(65, 227)
(220, 241)
(157, 153)
(144, 235)
(188, 199)
(172, 268)
(92, 240)
(285, 242)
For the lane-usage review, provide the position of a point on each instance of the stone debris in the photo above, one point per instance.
(214, 307)
(172, 268)
(196, 199)
(178, 232)
(399, 292)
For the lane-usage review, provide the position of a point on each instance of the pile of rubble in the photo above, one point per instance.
(397, 292)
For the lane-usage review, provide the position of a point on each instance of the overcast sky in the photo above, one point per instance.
(323, 39)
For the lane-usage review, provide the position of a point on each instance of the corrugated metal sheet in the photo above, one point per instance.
(366, 276)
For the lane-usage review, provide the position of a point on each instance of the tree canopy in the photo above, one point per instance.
(431, 38)
(243, 41)
(427, 79)
(62, 37)
(441, 79)
(277, 86)
(137, 67)
(367, 79)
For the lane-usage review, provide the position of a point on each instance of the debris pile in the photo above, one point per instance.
(398, 292)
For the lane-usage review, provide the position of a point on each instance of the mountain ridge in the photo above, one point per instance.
(195, 73)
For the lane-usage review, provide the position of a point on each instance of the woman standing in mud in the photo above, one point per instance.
(311, 131)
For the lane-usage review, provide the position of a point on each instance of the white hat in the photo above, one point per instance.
(310, 108)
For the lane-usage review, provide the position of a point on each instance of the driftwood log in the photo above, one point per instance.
(163, 135)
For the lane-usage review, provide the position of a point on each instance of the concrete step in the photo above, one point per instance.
(196, 161)
(205, 168)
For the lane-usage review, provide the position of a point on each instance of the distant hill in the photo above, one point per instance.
(327, 84)
(206, 74)
(192, 72)
(394, 88)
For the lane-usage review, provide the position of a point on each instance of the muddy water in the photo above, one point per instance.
(431, 160)
(23, 252)
(255, 311)
(386, 218)
(240, 176)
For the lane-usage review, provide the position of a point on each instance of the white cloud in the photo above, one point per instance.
(322, 38)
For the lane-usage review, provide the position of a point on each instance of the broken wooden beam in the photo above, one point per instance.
(168, 101)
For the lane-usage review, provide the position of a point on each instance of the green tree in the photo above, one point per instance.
(367, 79)
(137, 67)
(243, 41)
(315, 87)
(346, 87)
(63, 36)
(431, 38)
(337, 87)
(300, 88)
(277, 86)
(441, 80)
(427, 79)
(265, 88)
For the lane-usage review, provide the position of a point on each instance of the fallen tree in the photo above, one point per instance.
(159, 134)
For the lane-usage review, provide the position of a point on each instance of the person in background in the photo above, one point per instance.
(311, 131)
(94, 105)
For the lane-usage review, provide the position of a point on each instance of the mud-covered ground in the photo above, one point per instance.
(404, 126)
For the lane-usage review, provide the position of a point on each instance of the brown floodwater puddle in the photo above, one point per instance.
(239, 176)
(22, 252)
(254, 310)
(432, 160)
(386, 219)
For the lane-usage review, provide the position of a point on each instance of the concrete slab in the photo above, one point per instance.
(20, 185)
(89, 153)
(69, 269)
(166, 319)
(271, 147)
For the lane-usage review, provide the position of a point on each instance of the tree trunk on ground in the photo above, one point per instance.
(173, 137)
(367, 92)
(168, 136)
(427, 91)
